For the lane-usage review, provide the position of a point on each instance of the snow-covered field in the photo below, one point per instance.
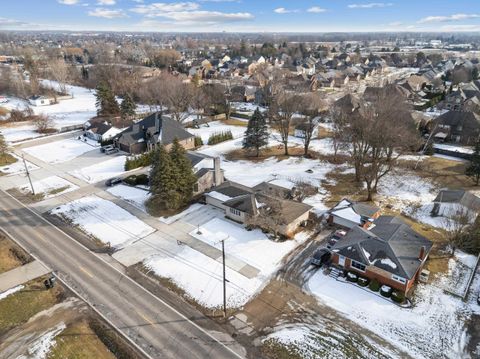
(101, 171)
(104, 220)
(434, 325)
(40, 348)
(59, 151)
(135, 196)
(49, 187)
(76, 110)
(17, 167)
(252, 247)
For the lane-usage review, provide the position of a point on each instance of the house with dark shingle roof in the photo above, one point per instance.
(153, 130)
(456, 202)
(250, 206)
(390, 252)
(349, 214)
(462, 127)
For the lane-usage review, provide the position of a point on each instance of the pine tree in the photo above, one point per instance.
(3, 148)
(105, 102)
(256, 135)
(473, 170)
(163, 177)
(185, 177)
(128, 107)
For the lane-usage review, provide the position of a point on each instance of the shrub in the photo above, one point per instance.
(363, 282)
(135, 180)
(352, 277)
(131, 180)
(142, 160)
(143, 179)
(198, 141)
(398, 297)
(374, 285)
(386, 291)
(219, 137)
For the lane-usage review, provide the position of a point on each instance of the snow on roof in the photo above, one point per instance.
(348, 214)
(217, 195)
(452, 148)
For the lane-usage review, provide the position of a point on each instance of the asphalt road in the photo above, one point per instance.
(159, 329)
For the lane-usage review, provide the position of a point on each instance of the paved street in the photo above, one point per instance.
(154, 325)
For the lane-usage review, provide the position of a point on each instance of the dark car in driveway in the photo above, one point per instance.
(320, 257)
(113, 181)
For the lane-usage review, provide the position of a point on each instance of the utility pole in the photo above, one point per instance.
(224, 281)
(28, 175)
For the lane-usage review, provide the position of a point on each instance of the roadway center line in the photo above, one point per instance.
(86, 271)
(147, 319)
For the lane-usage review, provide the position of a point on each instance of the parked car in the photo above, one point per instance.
(113, 181)
(335, 238)
(109, 149)
(3, 99)
(320, 257)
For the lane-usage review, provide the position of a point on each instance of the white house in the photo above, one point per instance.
(449, 203)
(39, 100)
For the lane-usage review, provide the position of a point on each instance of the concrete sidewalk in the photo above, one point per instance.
(22, 275)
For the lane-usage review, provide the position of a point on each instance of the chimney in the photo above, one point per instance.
(218, 175)
(421, 256)
(136, 127)
(157, 123)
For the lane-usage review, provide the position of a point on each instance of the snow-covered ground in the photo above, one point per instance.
(76, 110)
(17, 167)
(252, 247)
(434, 325)
(135, 196)
(59, 151)
(11, 291)
(104, 220)
(40, 348)
(101, 171)
(216, 127)
(49, 187)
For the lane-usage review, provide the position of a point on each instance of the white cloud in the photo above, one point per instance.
(282, 10)
(159, 8)
(396, 23)
(68, 2)
(316, 9)
(454, 17)
(107, 13)
(106, 2)
(370, 5)
(461, 28)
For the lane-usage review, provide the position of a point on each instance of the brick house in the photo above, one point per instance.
(390, 252)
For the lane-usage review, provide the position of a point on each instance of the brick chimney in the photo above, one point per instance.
(422, 253)
(217, 171)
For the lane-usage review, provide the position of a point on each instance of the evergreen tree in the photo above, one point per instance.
(256, 135)
(473, 170)
(128, 107)
(3, 148)
(105, 101)
(185, 177)
(163, 178)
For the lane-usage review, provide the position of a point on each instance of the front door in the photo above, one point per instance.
(341, 261)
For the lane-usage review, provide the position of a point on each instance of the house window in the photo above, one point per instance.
(399, 279)
(357, 265)
(195, 187)
(235, 211)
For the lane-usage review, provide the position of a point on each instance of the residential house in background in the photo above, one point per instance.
(449, 203)
(349, 214)
(390, 252)
(38, 100)
(462, 127)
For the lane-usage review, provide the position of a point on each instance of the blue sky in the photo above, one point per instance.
(242, 15)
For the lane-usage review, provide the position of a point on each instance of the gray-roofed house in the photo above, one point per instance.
(155, 129)
(456, 202)
(461, 127)
(390, 252)
(250, 206)
(350, 214)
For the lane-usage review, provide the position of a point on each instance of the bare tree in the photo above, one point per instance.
(43, 124)
(59, 71)
(456, 221)
(270, 214)
(281, 111)
(339, 120)
(178, 97)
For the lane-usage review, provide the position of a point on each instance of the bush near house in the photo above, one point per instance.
(135, 180)
(363, 282)
(142, 160)
(386, 291)
(398, 297)
(352, 277)
(374, 285)
(198, 141)
(219, 137)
